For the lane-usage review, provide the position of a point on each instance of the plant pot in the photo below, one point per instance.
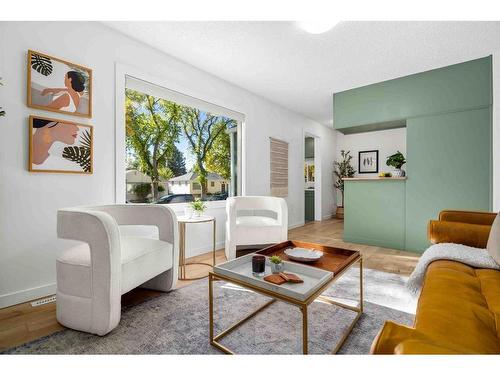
(277, 267)
(340, 212)
(398, 173)
(197, 214)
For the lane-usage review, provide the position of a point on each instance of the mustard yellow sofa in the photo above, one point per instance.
(458, 310)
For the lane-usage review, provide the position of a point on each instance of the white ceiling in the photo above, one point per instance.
(300, 71)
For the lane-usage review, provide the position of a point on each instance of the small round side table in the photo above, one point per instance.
(183, 220)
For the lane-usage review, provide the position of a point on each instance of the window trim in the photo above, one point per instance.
(121, 72)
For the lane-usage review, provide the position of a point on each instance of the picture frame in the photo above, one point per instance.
(57, 85)
(60, 146)
(368, 161)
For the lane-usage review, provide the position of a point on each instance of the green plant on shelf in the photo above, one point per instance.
(396, 160)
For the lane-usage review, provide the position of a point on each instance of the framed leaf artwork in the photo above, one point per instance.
(368, 161)
(60, 146)
(59, 86)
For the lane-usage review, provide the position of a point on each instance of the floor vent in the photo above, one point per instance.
(43, 301)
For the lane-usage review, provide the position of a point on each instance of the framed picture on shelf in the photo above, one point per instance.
(59, 86)
(368, 161)
(60, 146)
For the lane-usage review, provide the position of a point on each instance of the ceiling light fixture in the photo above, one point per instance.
(317, 27)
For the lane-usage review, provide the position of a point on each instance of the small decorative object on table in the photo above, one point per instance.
(282, 277)
(301, 254)
(258, 265)
(397, 160)
(385, 174)
(277, 264)
(198, 207)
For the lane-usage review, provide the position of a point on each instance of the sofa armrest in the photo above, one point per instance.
(469, 217)
(474, 235)
(395, 338)
(415, 346)
(390, 336)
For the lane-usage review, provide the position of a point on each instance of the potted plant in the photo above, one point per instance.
(397, 160)
(198, 207)
(342, 169)
(277, 264)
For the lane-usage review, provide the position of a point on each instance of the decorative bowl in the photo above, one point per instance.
(301, 254)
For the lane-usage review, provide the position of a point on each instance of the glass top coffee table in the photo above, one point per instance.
(318, 276)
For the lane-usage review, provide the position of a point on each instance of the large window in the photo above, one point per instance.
(178, 148)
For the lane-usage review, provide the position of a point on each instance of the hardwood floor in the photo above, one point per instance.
(23, 323)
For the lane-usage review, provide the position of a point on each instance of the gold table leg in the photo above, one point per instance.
(304, 329)
(211, 307)
(182, 253)
(214, 236)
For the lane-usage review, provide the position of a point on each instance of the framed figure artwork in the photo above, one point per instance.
(60, 146)
(368, 161)
(59, 86)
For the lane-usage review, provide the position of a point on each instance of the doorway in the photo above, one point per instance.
(312, 191)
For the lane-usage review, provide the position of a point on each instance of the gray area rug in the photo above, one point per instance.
(177, 322)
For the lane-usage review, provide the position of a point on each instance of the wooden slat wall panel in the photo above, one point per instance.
(279, 167)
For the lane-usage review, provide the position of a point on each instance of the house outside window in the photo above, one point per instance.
(175, 149)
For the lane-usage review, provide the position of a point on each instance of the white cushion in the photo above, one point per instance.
(141, 259)
(256, 221)
(493, 245)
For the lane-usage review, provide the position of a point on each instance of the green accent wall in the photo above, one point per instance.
(449, 166)
(375, 212)
(448, 89)
(448, 116)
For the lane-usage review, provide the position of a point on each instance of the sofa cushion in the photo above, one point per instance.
(256, 221)
(459, 307)
(148, 255)
(493, 245)
(458, 312)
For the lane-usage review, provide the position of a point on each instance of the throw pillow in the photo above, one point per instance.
(493, 245)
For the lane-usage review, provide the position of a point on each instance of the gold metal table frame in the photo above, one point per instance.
(302, 305)
(182, 245)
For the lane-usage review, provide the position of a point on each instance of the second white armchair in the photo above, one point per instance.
(253, 228)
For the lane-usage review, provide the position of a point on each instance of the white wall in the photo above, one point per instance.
(29, 201)
(387, 142)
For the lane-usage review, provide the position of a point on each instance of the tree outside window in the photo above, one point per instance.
(179, 149)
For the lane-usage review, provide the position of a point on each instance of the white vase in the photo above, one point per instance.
(398, 173)
(277, 267)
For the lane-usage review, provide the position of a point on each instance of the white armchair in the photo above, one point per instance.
(92, 276)
(254, 229)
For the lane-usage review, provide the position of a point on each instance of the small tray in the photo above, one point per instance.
(334, 259)
(241, 269)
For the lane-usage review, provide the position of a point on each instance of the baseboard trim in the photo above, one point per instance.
(296, 225)
(374, 242)
(26, 295)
